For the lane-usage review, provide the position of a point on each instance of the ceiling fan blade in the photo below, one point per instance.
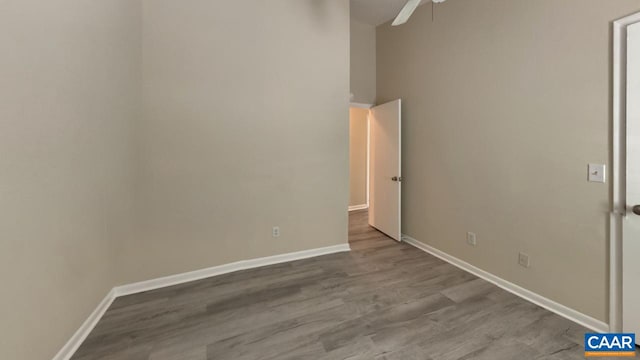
(406, 12)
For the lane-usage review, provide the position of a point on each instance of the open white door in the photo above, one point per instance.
(631, 224)
(384, 164)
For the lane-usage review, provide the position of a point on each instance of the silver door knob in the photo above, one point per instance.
(636, 209)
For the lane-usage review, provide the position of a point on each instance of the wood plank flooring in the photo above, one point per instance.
(384, 300)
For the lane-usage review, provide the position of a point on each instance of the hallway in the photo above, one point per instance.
(363, 236)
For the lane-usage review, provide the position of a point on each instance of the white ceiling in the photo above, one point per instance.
(376, 12)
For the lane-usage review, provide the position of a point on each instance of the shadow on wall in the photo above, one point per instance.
(318, 10)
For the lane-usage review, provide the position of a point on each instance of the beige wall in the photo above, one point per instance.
(70, 80)
(245, 127)
(505, 103)
(240, 128)
(363, 62)
(358, 137)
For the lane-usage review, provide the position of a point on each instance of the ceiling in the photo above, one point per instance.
(376, 12)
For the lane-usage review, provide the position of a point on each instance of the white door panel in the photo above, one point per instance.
(385, 175)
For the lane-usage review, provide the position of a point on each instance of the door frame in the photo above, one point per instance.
(618, 168)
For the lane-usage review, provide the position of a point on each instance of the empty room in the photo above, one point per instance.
(319, 179)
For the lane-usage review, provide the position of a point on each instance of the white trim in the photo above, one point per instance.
(528, 295)
(358, 207)
(81, 334)
(368, 156)
(224, 269)
(618, 168)
(360, 105)
(400, 167)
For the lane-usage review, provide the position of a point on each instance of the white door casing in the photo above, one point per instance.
(385, 183)
(631, 222)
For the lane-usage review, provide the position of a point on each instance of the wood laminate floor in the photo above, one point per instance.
(384, 300)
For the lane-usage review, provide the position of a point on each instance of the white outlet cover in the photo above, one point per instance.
(471, 239)
(597, 173)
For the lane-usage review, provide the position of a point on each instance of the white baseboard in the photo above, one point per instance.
(76, 340)
(358, 207)
(81, 334)
(564, 311)
(224, 269)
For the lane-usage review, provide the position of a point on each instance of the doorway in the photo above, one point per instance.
(374, 169)
(359, 157)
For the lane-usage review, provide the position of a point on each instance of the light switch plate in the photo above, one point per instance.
(597, 173)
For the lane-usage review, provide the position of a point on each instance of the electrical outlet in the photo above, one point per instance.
(523, 260)
(275, 232)
(471, 239)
